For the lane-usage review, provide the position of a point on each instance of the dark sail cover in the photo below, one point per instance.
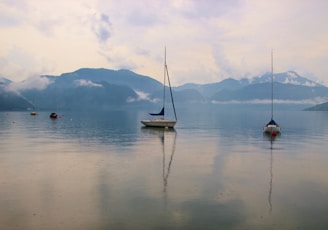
(158, 114)
(272, 122)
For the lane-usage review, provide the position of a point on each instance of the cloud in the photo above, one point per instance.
(196, 9)
(87, 83)
(143, 19)
(142, 96)
(295, 82)
(207, 41)
(34, 82)
(12, 13)
(101, 26)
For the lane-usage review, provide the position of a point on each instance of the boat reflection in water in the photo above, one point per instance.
(271, 138)
(168, 143)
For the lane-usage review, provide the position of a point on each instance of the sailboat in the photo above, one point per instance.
(161, 121)
(272, 127)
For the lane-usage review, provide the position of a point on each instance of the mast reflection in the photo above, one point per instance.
(271, 174)
(271, 139)
(166, 171)
(171, 134)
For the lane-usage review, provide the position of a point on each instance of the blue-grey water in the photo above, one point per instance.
(215, 170)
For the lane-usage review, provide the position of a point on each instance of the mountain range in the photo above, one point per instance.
(319, 107)
(101, 88)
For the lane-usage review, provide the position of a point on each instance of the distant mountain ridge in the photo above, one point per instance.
(88, 88)
(116, 77)
(319, 107)
(288, 86)
(290, 77)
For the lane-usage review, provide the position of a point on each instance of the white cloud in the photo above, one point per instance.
(87, 83)
(310, 84)
(34, 82)
(142, 96)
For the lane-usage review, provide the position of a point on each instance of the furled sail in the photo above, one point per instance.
(272, 122)
(158, 114)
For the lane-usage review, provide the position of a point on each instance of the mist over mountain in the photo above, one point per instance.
(11, 100)
(4, 81)
(101, 88)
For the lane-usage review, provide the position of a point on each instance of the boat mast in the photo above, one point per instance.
(271, 84)
(164, 82)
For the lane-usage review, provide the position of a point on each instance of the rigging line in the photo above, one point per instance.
(168, 78)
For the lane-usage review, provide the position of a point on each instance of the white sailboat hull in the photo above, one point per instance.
(271, 129)
(159, 123)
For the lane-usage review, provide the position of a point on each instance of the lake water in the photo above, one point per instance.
(215, 170)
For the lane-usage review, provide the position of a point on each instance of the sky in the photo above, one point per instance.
(206, 40)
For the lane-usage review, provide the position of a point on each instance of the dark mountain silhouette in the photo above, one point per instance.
(114, 77)
(89, 88)
(101, 96)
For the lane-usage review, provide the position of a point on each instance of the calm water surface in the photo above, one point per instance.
(216, 170)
